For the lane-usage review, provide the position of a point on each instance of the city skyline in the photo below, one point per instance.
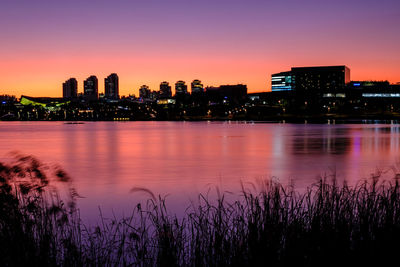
(225, 42)
(173, 89)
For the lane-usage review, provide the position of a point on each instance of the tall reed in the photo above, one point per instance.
(328, 224)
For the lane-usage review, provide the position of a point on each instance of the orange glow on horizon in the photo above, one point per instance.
(44, 77)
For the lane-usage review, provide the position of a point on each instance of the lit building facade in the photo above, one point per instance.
(70, 88)
(90, 88)
(281, 81)
(111, 87)
(49, 103)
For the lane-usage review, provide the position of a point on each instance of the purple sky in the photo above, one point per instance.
(45, 42)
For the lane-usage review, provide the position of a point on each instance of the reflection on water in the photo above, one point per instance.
(181, 159)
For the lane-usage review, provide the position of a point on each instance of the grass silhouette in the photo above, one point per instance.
(328, 224)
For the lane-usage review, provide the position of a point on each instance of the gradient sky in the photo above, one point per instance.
(43, 42)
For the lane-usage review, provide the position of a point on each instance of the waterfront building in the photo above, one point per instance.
(90, 88)
(197, 87)
(48, 103)
(180, 88)
(111, 87)
(312, 80)
(165, 90)
(70, 88)
(372, 89)
(320, 79)
(375, 85)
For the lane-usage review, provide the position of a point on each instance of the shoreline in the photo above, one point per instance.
(274, 119)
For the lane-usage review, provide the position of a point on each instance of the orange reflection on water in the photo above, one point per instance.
(183, 159)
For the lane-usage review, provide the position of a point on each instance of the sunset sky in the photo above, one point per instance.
(43, 42)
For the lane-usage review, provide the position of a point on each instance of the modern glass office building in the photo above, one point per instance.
(281, 81)
(312, 79)
(320, 79)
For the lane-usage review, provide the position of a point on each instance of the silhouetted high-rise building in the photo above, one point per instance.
(197, 87)
(111, 87)
(144, 91)
(180, 88)
(165, 90)
(90, 88)
(70, 88)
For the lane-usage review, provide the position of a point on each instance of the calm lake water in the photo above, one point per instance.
(183, 159)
